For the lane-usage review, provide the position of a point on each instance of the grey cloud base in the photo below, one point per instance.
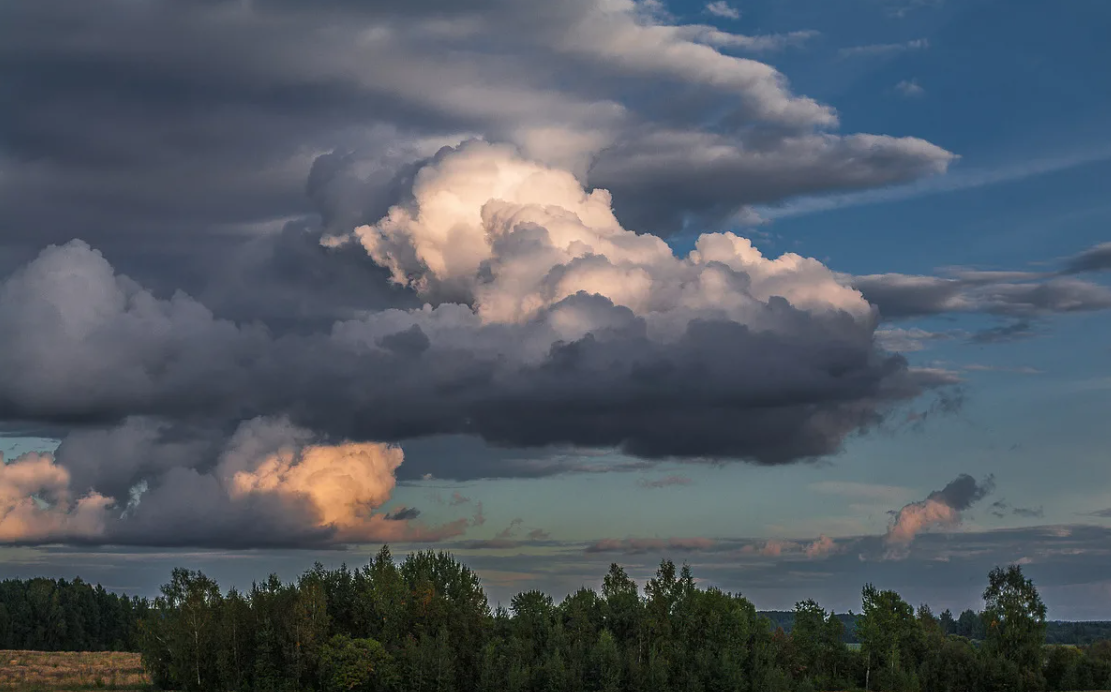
(89, 347)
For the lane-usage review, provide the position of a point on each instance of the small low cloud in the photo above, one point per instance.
(665, 482)
(910, 88)
(403, 514)
(1000, 509)
(538, 535)
(823, 546)
(722, 9)
(882, 49)
(511, 530)
(941, 509)
(776, 548)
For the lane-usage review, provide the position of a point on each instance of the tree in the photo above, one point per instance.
(1014, 618)
(806, 636)
(186, 629)
(888, 633)
(350, 665)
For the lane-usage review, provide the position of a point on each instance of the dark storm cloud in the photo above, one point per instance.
(89, 346)
(206, 148)
(131, 124)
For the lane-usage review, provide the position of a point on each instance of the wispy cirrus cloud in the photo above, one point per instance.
(884, 49)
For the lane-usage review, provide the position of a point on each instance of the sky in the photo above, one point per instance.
(804, 294)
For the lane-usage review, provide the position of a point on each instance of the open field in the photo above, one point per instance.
(57, 671)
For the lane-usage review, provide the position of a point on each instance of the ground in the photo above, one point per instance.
(58, 671)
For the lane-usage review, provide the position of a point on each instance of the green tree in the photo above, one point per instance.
(1014, 619)
(354, 665)
(888, 634)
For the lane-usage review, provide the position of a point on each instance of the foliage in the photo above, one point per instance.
(424, 625)
(59, 615)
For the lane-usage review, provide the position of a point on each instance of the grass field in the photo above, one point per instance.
(99, 670)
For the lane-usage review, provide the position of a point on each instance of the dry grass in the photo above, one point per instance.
(41, 670)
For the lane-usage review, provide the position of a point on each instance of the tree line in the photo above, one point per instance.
(968, 624)
(424, 625)
(59, 615)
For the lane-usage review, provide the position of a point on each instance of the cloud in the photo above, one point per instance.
(910, 88)
(823, 546)
(622, 321)
(359, 93)
(32, 480)
(268, 486)
(1000, 509)
(723, 9)
(508, 538)
(941, 509)
(961, 179)
(642, 545)
(1017, 296)
(884, 49)
(1020, 298)
(912, 339)
(1021, 370)
(511, 530)
(712, 36)
(776, 548)
(218, 376)
(403, 514)
(664, 482)
(1095, 259)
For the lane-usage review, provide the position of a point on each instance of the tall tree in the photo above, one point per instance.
(1014, 617)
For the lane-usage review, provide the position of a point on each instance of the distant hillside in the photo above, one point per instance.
(1081, 633)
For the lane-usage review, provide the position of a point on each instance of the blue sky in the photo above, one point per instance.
(1015, 90)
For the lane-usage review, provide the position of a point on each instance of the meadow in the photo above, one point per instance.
(60, 671)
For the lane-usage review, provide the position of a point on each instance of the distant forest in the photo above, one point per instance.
(424, 625)
(60, 615)
(970, 624)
